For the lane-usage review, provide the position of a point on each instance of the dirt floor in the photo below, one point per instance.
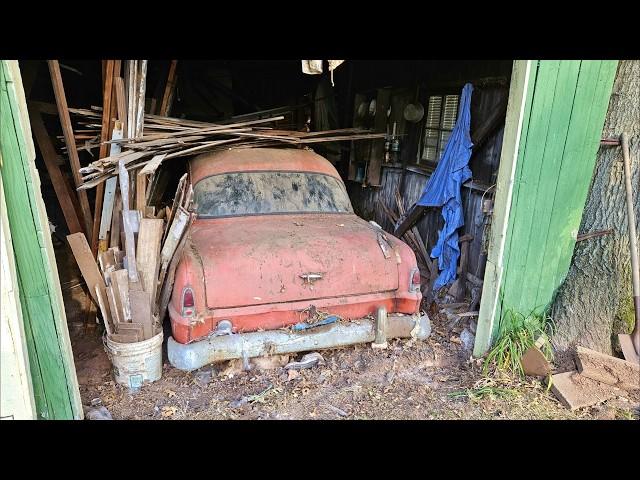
(409, 380)
(432, 379)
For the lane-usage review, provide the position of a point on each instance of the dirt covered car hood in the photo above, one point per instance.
(263, 259)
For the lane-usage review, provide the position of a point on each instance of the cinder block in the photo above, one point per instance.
(576, 391)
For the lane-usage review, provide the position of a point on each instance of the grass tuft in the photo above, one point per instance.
(485, 388)
(517, 333)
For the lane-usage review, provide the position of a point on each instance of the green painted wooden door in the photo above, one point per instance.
(53, 373)
(560, 136)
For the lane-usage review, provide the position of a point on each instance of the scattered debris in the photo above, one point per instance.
(97, 413)
(308, 361)
(271, 362)
(467, 339)
(340, 412)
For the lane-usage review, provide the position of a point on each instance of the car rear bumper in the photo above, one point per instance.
(277, 315)
(276, 342)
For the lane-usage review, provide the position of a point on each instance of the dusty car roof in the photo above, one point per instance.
(259, 159)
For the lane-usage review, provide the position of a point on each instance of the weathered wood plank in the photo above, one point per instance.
(86, 263)
(67, 129)
(105, 134)
(130, 247)
(120, 287)
(148, 254)
(141, 312)
(58, 180)
(109, 194)
(112, 300)
(166, 281)
(167, 97)
(101, 295)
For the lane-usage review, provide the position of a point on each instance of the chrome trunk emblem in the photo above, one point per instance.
(311, 277)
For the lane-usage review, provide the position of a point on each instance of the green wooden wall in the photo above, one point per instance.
(51, 361)
(564, 114)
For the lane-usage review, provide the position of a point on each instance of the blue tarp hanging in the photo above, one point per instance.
(443, 190)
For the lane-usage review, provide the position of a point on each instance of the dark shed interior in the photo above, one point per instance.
(358, 93)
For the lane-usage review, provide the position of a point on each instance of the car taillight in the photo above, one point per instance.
(414, 280)
(187, 302)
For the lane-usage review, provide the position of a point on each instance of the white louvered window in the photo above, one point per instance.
(442, 112)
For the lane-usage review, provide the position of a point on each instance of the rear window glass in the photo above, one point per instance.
(255, 193)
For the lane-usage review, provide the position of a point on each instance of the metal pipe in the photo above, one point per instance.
(276, 342)
(633, 240)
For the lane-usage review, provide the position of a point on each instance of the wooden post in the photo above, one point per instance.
(65, 120)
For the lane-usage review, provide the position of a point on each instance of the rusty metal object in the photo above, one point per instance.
(276, 342)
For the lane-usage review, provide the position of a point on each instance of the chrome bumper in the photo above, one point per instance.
(275, 342)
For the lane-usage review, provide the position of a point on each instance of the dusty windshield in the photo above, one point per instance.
(255, 193)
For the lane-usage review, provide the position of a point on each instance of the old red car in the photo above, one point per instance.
(276, 246)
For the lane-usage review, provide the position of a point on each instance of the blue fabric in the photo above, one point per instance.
(443, 190)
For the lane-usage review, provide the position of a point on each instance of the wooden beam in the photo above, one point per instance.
(58, 180)
(67, 129)
(105, 134)
(519, 90)
(167, 97)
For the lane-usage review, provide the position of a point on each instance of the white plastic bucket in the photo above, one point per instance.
(136, 363)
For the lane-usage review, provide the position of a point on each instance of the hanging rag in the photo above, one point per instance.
(443, 189)
(314, 67)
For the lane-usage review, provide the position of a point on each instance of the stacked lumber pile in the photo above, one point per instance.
(132, 286)
(155, 148)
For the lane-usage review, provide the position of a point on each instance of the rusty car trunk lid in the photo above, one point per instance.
(263, 259)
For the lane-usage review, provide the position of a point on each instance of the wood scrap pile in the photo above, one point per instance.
(156, 148)
(132, 286)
